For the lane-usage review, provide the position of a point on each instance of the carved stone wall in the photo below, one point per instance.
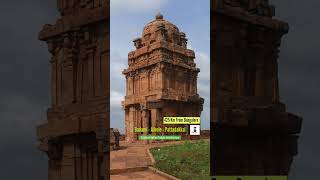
(161, 79)
(252, 132)
(76, 134)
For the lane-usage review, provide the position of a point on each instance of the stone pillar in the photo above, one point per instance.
(134, 123)
(129, 125)
(154, 113)
(275, 82)
(67, 163)
(259, 81)
(90, 57)
(145, 118)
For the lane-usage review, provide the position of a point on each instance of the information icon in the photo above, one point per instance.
(195, 130)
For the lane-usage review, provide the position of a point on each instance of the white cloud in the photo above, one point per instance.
(124, 6)
(115, 99)
(203, 62)
(117, 89)
(117, 64)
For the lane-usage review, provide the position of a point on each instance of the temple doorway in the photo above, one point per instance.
(149, 122)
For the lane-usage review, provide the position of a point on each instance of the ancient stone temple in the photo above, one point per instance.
(161, 79)
(253, 134)
(75, 136)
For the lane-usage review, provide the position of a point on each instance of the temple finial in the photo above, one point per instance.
(159, 15)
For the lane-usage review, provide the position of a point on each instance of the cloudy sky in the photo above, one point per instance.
(24, 88)
(299, 74)
(25, 73)
(127, 24)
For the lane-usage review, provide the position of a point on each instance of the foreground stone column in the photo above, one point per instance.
(252, 134)
(75, 136)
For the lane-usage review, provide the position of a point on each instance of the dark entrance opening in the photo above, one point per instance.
(149, 122)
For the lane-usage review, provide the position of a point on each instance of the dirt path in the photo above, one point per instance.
(132, 162)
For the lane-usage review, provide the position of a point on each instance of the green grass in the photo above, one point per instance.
(187, 161)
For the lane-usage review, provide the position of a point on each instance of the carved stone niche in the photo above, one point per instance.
(137, 43)
(183, 40)
(161, 32)
(51, 46)
(54, 150)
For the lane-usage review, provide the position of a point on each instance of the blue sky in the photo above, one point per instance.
(128, 17)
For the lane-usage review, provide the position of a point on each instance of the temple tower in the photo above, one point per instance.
(252, 132)
(75, 136)
(161, 79)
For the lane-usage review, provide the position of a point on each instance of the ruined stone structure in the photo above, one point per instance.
(76, 134)
(161, 79)
(252, 132)
(114, 139)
